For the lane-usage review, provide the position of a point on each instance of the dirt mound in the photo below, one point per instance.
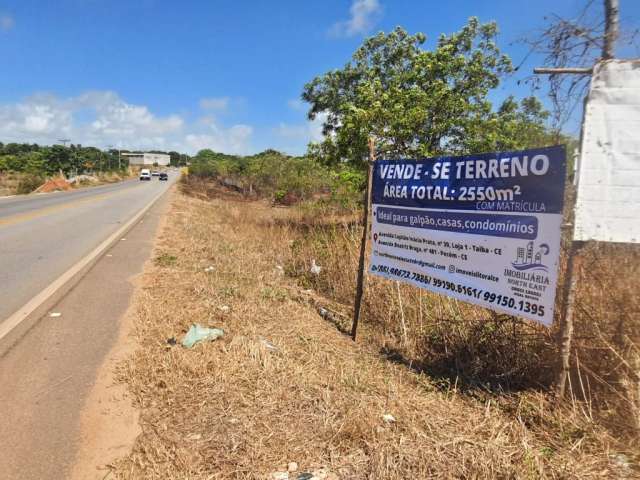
(53, 185)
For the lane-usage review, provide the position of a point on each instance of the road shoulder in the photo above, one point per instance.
(109, 421)
(48, 376)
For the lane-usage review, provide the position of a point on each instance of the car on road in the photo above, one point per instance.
(145, 174)
(163, 176)
(155, 173)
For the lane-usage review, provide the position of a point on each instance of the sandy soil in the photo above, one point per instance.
(109, 421)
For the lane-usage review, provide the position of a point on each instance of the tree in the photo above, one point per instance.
(34, 163)
(174, 159)
(58, 158)
(415, 102)
(577, 43)
(11, 163)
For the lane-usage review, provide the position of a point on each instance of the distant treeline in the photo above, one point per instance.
(45, 161)
(282, 177)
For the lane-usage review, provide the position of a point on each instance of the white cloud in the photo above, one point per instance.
(214, 103)
(310, 131)
(7, 22)
(364, 15)
(231, 140)
(297, 105)
(102, 118)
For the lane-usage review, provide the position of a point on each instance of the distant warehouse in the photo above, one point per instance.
(160, 159)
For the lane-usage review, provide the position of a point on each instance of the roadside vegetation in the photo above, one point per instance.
(24, 167)
(266, 247)
(285, 384)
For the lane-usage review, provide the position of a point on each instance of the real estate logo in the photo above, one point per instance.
(526, 260)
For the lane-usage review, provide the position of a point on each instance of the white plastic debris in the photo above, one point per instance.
(198, 333)
(280, 269)
(387, 417)
(315, 268)
(224, 308)
(280, 476)
(623, 464)
(293, 467)
(210, 268)
(268, 345)
(55, 314)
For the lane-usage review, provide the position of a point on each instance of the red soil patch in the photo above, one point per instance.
(53, 185)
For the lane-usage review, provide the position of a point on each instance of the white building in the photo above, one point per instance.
(160, 159)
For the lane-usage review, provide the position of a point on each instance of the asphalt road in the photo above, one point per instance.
(47, 377)
(41, 236)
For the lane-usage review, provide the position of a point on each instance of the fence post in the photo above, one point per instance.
(568, 309)
(363, 242)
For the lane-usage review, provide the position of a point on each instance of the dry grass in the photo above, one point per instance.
(8, 184)
(16, 183)
(479, 351)
(236, 408)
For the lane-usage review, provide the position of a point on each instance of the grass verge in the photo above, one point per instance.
(284, 385)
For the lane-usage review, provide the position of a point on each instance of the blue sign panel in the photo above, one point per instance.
(526, 181)
(481, 228)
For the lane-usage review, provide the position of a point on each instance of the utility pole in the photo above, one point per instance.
(111, 148)
(612, 14)
(64, 141)
(611, 28)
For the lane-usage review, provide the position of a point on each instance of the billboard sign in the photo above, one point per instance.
(608, 202)
(480, 228)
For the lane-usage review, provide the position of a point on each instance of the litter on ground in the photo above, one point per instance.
(197, 333)
(269, 346)
(388, 418)
(315, 268)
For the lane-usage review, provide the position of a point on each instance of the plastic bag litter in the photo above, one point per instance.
(315, 268)
(388, 418)
(197, 333)
(268, 345)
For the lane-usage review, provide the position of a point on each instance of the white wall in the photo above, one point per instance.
(149, 159)
(608, 203)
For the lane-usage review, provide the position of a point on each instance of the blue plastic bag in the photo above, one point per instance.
(197, 333)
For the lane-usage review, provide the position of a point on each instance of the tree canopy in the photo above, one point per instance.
(49, 160)
(418, 102)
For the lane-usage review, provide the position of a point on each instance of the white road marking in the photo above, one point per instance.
(23, 313)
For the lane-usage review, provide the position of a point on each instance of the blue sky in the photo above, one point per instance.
(195, 74)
